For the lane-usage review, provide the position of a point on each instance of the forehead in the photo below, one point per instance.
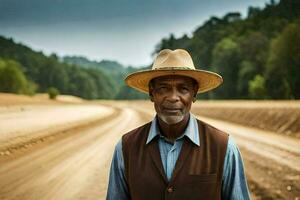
(173, 79)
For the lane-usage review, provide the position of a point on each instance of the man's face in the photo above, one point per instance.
(172, 97)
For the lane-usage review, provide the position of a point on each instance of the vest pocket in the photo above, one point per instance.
(200, 186)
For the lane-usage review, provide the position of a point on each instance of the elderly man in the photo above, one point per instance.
(176, 156)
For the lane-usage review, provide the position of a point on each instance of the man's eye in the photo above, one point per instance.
(185, 88)
(162, 88)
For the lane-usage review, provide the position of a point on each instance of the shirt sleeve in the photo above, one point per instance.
(234, 183)
(117, 186)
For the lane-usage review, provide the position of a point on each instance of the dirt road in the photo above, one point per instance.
(72, 162)
(73, 165)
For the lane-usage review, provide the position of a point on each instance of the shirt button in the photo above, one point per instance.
(170, 189)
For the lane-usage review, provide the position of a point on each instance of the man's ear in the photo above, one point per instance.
(151, 97)
(194, 98)
(195, 94)
(150, 93)
(196, 87)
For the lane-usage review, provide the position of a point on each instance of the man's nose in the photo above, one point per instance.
(173, 95)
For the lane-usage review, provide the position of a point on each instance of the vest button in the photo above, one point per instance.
(170, 189)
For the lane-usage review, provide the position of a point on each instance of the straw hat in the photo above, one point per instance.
(177, 62)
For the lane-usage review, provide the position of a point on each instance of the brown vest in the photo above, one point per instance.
(197, 173)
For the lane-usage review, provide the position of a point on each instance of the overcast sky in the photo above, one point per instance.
(122, 30)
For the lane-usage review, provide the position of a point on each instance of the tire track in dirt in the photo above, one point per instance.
(14, 150)
(269, 180)
(18, 177)
(133, 121)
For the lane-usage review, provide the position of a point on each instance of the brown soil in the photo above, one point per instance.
(73, 162)
(282, 117)
(7, 99)
(268, 180)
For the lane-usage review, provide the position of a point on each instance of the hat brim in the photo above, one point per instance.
(206, 80)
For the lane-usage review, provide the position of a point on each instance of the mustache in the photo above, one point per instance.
(171, 107)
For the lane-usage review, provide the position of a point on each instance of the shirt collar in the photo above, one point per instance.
(191, 130)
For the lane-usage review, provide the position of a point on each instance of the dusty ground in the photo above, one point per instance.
(282, 117)
(7, 99)
(69, 157)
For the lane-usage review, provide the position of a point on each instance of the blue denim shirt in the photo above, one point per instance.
(234, 184)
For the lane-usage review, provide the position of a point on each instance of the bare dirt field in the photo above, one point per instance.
(62, 149)
(282, 117)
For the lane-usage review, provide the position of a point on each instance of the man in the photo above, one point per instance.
(176, 156)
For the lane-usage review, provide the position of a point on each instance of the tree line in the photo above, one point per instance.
(24, 71)
(258, 58)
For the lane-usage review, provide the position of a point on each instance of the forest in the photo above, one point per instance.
(258, 57)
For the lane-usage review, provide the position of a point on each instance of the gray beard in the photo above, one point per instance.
(171, 119)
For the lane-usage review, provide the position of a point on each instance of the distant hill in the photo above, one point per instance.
(25, 71)
(114, 70)
(111, 68)
(106, 65)
(43, 72)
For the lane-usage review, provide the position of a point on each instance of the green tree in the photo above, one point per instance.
(254, 48)
(53, 73)
(129, 93)
(257, 89)
(105, 87)
(83, 84)
(53, 92)
(12, 79)
(283, 74)
(226, 61)
(246, 73)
